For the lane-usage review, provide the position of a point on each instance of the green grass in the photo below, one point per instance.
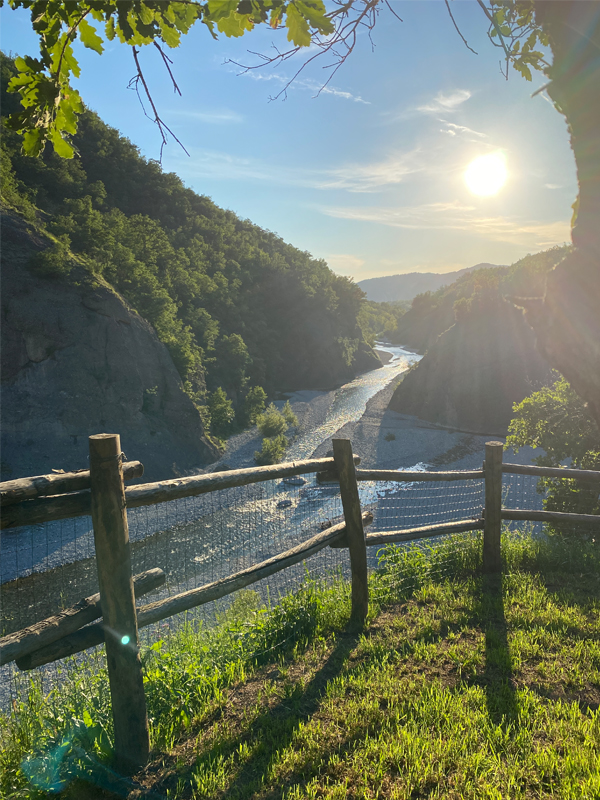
(459, 686)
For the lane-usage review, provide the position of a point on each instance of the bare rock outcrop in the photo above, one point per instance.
(76, 360)
(474, 372)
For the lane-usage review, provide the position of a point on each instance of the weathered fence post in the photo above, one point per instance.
(492, 559)
(113, 560)
(344, 462)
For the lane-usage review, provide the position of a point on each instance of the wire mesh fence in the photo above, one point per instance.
(198, 540)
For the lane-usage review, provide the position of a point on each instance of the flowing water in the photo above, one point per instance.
(351, 400)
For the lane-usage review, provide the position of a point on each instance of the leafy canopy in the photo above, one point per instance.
(557, 420)
(50, 104)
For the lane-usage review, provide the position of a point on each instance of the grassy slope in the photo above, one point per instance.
(459, 687)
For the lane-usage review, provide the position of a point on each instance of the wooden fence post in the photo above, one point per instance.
(344, 462)
(492, 559)
(113, 560)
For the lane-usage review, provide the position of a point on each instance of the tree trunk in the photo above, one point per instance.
(567, 322)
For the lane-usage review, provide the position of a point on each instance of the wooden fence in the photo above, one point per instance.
(101, 493)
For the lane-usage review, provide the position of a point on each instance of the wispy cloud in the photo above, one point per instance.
(552, 186)
(445, 102)
(363, 178)
(458, 217)
(454, 130)
(376, 175)
(305, 84)
(223, 116)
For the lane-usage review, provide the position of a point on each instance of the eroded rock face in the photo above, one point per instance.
(475, 371)
(77, 361)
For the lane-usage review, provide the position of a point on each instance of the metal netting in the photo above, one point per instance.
(202, 539)
(195, 540)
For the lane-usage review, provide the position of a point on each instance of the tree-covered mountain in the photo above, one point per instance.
(402, 288)
(234, 304)
(432, 313)
(480, 355)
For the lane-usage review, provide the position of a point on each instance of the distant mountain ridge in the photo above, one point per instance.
(392, 288)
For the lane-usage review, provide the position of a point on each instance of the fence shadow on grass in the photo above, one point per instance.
(497, 679)
(275, 727)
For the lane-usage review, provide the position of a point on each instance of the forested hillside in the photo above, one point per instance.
(235, 305)
(480, 352)
(432, 313)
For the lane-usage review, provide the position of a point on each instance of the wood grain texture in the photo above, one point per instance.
(492, 558)
(424, 532)
(162, 491)
(552, 516)
(586, 475)
(355, 536)
(113, 561)
(403, 477)
(57, 483)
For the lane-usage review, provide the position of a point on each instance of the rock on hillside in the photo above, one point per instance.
(471, 376)
(77, 361)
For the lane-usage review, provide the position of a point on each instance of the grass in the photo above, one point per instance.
(459, 686)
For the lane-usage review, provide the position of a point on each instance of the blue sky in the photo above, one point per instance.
(368, 174)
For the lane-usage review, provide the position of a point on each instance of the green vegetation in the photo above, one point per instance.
(380, 319)
(557, 420)
(273, 424)
(476, 293)
(238, 308)
(458, 686)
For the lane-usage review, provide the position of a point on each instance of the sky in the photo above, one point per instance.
(368, 173)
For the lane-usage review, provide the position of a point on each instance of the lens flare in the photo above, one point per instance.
(486, 175)
(124, 639)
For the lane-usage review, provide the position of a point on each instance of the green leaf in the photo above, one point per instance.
(110, 29)
(298, 30)
(314, 12)
(235, 24)
(89, 36)
(33, 142)
(61, 146)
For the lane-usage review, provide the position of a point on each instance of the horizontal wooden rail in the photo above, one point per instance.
(46, 509)
(424, 532)
(550, 516)
(154, 612)
(21, 643)
(152, 493)
(395, 476)
(553, 472)
(78, 504)
(57, 483)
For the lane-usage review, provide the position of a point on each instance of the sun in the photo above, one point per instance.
(486, 175)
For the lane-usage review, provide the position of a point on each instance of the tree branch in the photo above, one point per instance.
(162, 126)
(458, 29)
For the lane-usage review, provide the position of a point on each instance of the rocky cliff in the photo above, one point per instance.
(76, 360)
(474, 372)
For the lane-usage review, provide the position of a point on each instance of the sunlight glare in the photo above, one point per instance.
(486, 175)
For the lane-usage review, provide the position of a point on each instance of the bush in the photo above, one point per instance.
(288, 414)
(221, 412)
(254, 404)
(54, 262)
(272, 450)
(271, 422)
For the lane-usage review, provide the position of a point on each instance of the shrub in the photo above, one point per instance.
(288, 414)
(254, 404)
(54, 262)
(271, 422)
(272, 450)
(221, 412)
